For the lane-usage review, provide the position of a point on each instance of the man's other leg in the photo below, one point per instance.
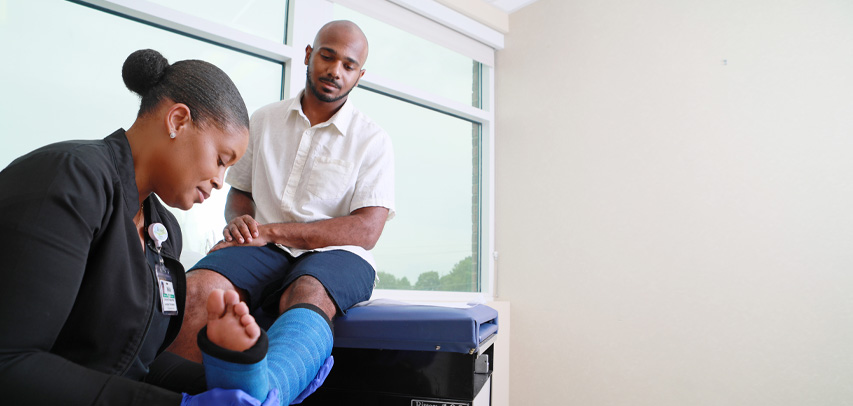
(333, 281)
(307, 290)
(319, 285)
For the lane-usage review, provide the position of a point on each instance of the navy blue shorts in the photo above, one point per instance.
(265, 272)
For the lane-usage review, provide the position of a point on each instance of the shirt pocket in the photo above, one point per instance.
(329, 178)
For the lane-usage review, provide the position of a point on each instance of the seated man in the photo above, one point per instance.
(309, 199)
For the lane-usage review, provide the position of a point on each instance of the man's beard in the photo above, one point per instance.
(320, 95)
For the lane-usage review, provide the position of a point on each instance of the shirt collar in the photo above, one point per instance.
(341, 120)
(123, 161)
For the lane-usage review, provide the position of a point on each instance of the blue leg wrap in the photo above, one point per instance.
(300, 340)
(251, 378)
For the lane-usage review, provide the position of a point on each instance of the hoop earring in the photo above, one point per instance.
(172, 135)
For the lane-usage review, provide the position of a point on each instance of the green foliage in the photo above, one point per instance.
(462, 278)
(428, 281)
(388, 281)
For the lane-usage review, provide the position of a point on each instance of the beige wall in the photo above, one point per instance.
(674, 229)
(501, 362)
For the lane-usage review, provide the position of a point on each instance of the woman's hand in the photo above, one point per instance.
(229, 397)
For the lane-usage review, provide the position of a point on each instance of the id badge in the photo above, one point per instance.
(166, 290)
(168, 303)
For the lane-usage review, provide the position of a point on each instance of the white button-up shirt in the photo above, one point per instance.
(297, 173)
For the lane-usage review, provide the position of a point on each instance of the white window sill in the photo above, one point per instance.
(432, 297)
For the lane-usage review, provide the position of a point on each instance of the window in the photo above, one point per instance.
(433, 242)
(408, 59)
(427, 85)
(63, 86)
(264, 18)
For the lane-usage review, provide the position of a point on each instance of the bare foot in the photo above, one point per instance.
(229, 324)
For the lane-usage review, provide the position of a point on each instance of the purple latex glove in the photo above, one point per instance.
(318, 380)
(272, 398)
(228, 397)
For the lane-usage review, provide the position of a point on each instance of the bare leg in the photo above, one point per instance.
(307, 289)
(200, 283)
(229, 324)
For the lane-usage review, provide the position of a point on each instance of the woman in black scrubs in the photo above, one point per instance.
(92, 291)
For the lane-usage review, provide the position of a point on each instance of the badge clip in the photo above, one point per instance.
(158, 233)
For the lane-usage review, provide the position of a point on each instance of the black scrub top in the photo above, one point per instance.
(80, 319)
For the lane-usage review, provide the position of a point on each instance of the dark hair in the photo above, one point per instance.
(205, 89)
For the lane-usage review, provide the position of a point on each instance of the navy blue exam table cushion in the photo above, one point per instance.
(416, 327)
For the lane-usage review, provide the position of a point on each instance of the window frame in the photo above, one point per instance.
(425, 18)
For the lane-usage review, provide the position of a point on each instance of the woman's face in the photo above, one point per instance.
(195, 163)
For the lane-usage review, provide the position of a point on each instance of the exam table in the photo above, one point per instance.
(412, 355)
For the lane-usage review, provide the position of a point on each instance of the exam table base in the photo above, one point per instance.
(406, 378)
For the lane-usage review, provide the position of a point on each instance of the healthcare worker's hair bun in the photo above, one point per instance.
(143, 69)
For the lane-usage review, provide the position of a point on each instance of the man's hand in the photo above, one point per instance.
(259, 241)
(362, 228)
(241, 229)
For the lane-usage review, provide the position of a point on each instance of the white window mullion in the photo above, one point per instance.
(194, 26)
(488, 254)
(402, 91)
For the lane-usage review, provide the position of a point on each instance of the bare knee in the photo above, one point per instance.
(201, 282)
(307, 289)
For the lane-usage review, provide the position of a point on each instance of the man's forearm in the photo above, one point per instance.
(361, 228)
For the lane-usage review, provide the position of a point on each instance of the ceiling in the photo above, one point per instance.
(509, 6)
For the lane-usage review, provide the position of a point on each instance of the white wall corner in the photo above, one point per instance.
(482, 12)
(455, 20)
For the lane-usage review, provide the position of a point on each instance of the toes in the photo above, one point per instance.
(240, 309)
(216, 304)
(247, 320)
(231, 297)
(252, 328)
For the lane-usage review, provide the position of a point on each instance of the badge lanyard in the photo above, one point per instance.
(169, 305)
